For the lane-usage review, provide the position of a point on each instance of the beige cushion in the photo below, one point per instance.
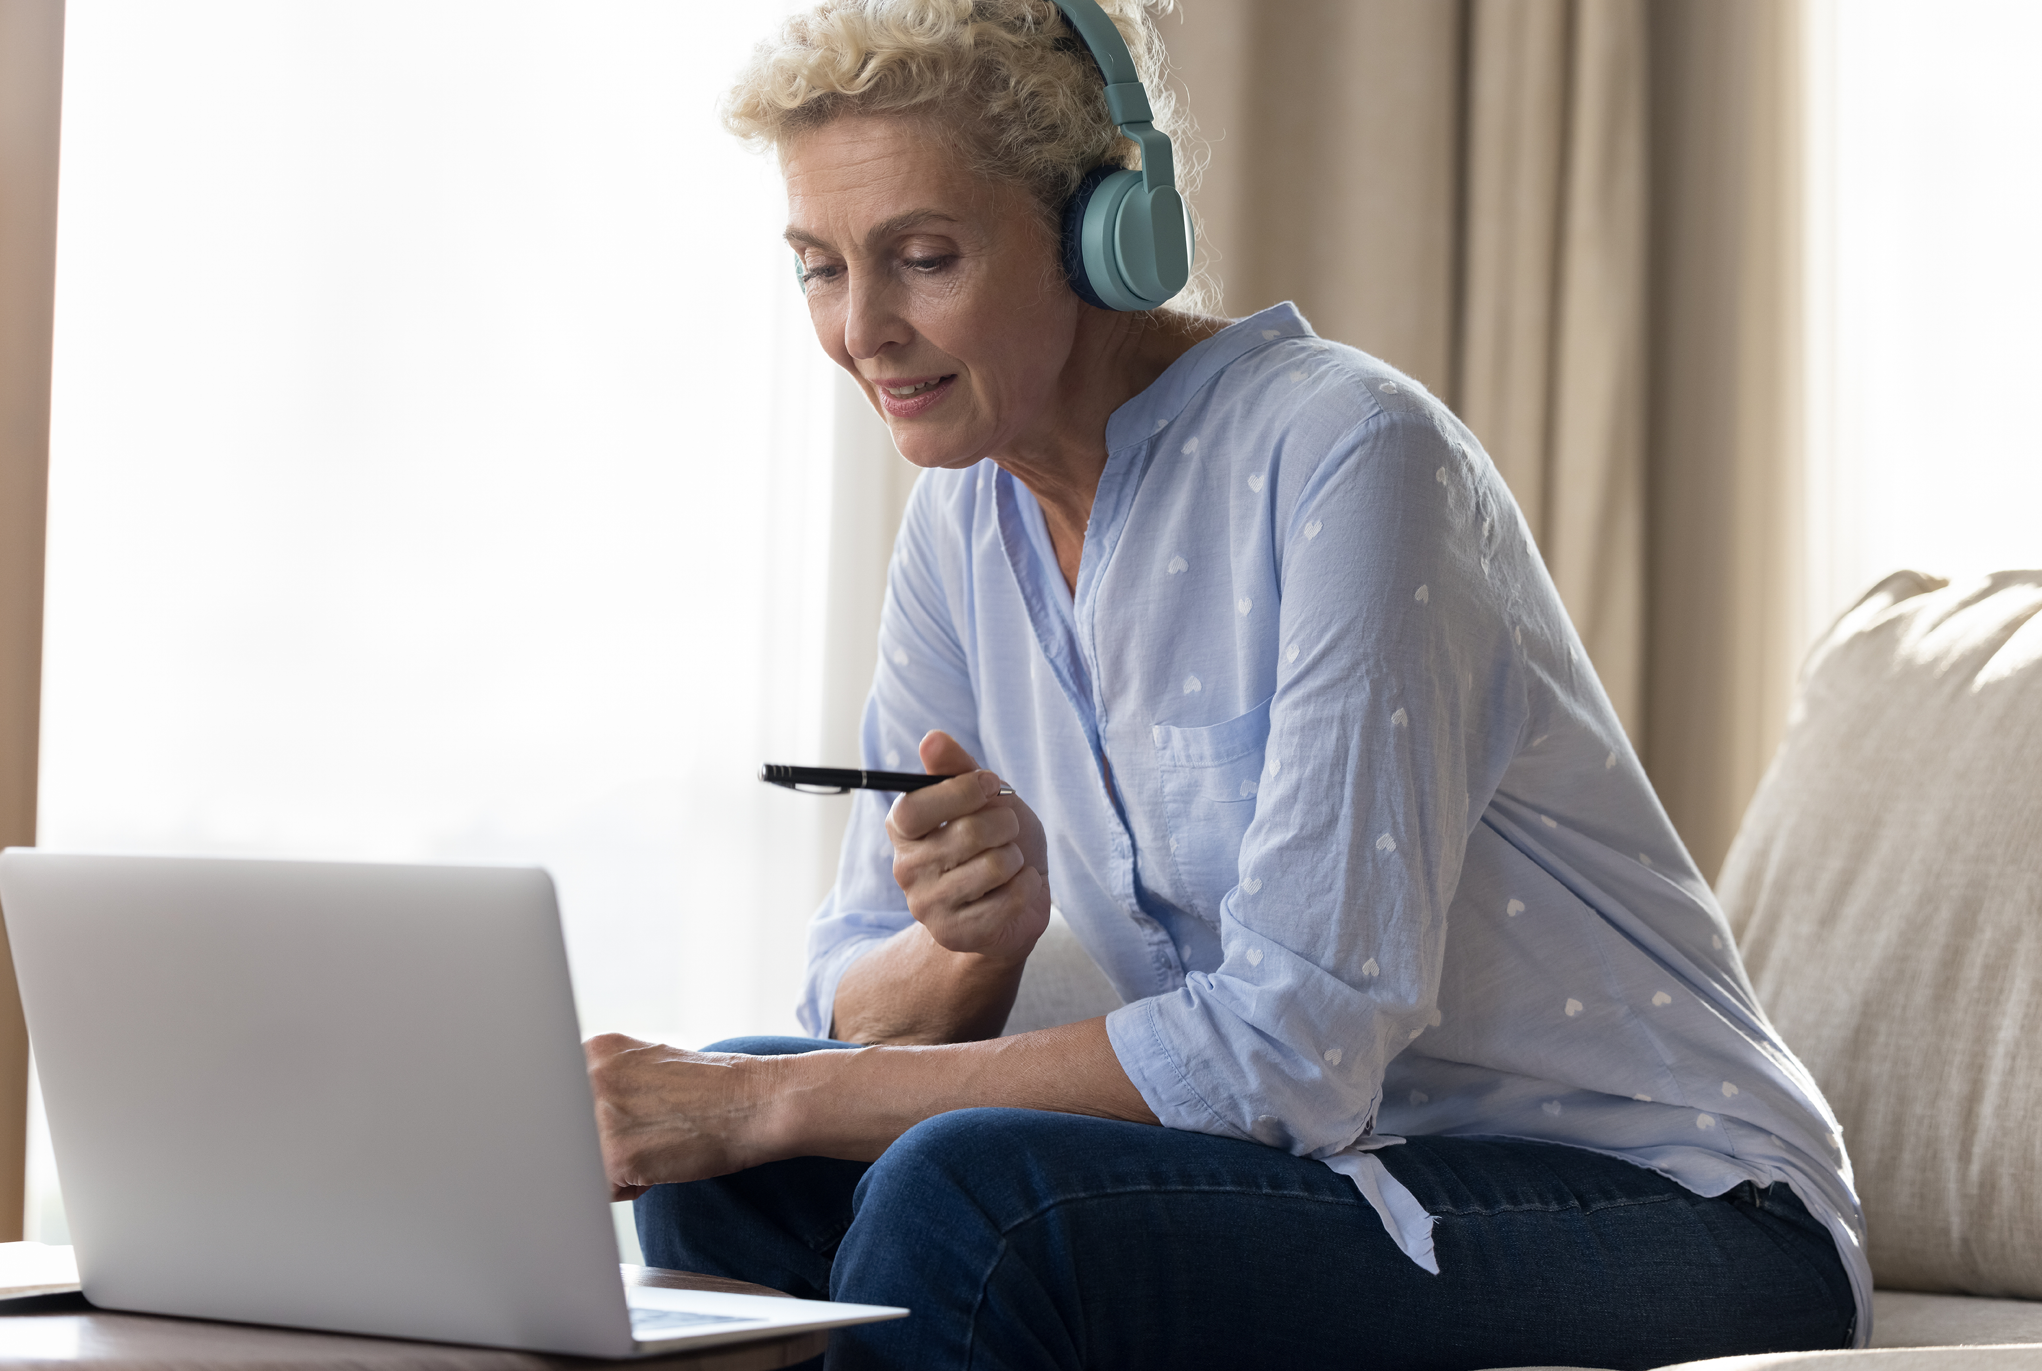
(1061, 983)
(1886, 887)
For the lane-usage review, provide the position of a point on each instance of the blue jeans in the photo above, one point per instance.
(1028, 1239)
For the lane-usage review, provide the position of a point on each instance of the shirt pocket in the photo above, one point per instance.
(1209, 778)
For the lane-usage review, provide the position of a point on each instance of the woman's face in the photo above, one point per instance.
(939, 290)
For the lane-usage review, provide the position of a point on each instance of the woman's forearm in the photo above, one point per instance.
(854, 1104)
(911, 990)
(665, 1114)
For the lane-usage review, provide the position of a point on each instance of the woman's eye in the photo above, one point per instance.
(926, 265)
(817, 275)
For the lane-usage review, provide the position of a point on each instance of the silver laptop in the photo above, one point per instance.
(336, 1096)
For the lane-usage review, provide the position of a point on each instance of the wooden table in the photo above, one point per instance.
(64, 1331)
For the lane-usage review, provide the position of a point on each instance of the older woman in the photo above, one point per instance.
(1454, 1061)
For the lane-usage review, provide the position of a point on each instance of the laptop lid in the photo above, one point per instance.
(326, 1095)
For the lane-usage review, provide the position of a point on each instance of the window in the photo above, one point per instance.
(441, 471)
(1927, 132)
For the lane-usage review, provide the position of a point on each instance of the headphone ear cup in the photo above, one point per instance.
(1073, 245)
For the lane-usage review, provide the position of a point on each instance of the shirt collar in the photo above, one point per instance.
(1150, 412)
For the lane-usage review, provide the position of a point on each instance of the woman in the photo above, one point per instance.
(1254, 632)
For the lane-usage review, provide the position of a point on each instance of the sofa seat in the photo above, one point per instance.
(1902, 1318)
(2027, 1358)
(1911, 1332)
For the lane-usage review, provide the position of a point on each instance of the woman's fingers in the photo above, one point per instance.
(921, 812)
(978, 877)
(955, 843)
(964, 854)
(1005, 922)
(960, 862)
(943, 755)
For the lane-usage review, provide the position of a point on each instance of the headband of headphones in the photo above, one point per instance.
(1127, 239)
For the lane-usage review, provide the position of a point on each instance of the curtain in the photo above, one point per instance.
(1730, 615)
(31, 45)
(1551, 359)
(1575, 221)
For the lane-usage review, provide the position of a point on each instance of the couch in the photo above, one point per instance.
(1886, 890)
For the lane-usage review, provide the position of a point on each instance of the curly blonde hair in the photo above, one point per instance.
(1008, 81)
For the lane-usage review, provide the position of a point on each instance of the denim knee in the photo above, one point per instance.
(921, 1201)
(989, 1165)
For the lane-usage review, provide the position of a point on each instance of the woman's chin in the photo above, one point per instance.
(925, 445)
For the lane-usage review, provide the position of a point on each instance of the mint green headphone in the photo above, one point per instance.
(1127, 242)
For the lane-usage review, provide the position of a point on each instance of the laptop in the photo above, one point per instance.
(337, 1096)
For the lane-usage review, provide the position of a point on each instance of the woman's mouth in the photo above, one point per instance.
(912, 395)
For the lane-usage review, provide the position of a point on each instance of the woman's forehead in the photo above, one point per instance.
(874, 177)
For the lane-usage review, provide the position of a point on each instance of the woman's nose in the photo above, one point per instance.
(873, 321)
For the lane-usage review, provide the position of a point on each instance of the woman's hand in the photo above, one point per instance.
(666, 1114)
(973, 863)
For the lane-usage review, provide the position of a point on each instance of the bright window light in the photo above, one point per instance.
(440, 469)
(1930, 119)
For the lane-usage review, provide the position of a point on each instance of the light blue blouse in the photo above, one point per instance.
(1315, 703)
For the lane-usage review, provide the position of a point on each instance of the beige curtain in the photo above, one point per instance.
(1574, 221)
(31, 47)
(1728, 595)
(1551, 358)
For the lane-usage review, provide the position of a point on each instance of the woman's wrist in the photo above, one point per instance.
(852, 1103)
(803, 1103)
(913, 990)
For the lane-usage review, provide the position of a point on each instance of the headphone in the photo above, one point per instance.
(1127, 242)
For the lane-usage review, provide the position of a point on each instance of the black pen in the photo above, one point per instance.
(832, 780)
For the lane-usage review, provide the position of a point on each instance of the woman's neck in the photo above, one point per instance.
(1114, 357)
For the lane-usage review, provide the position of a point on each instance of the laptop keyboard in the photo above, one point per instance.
(656, 1322)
